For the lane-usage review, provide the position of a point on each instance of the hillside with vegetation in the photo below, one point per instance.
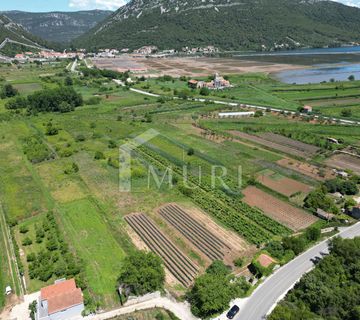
(15, 32)
(58, 26)
(229, 25)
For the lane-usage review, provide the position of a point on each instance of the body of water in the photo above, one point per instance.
(319, 74)
(319, 64)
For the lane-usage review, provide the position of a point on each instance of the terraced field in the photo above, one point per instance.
(197, 234)
(175, 261)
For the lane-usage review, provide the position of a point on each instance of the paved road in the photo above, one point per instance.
(234, 104)
(265, 297)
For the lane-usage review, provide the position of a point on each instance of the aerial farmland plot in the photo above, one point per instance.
(292, 217)
(183, 269)
(280, 143)
(283, 185)
(345, 162)
(209, 238)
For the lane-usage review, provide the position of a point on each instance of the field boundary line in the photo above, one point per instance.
(10, 252)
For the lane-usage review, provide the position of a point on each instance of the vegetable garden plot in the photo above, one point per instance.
(207, 242)
(175, 261)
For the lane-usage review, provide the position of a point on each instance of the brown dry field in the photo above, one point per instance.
(188, 66)
(306, 169)
(292, 217)
(344, 161)
(285, 186)
(271, 144)
(239, 247)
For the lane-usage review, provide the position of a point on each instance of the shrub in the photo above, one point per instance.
(24, 229)
(27, 242)
(99, 155)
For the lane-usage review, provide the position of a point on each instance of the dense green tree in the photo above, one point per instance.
(296, 244)
(68, 81)
(213, 291)
(8, 91)
(16, 103)
(313, 234)
(318, 199)
(205, 91)
(51, 100)
(142, 272)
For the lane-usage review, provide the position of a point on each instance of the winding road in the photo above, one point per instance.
(265, 297)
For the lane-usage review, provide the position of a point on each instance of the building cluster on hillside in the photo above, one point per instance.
(146, 50)
(47, 55)
(218, 83)
(207, 49)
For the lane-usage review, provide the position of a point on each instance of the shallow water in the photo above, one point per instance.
(320, 73)
(321, 64)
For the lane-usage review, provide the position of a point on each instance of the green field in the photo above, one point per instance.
(327, 99)
(102, 256)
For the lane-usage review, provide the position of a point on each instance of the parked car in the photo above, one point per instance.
(233, 312)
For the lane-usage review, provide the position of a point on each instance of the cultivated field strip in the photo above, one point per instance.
(269, 141)
(175, 261)
(209, 244)
(294, 218)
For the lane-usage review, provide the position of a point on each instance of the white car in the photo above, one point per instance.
(8, 290)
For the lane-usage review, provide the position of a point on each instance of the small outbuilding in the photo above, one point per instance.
(324, 215)
(307, 109)
(355, 212)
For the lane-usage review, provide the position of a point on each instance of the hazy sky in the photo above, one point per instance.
(72, 5)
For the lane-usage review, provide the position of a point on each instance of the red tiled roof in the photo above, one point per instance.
(62, 295)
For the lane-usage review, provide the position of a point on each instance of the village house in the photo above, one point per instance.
(307, 109)
(218, 83)
(60, 301)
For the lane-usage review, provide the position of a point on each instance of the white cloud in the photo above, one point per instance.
(116, 4)
(96, 4)
(353, 3)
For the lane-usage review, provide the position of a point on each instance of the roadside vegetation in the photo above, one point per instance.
(330, 290)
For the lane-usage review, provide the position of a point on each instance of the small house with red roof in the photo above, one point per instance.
(307, 109)
(60, 301)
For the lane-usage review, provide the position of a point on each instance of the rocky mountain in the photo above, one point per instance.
(16, 35)
(227, 24)
(58, 26)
